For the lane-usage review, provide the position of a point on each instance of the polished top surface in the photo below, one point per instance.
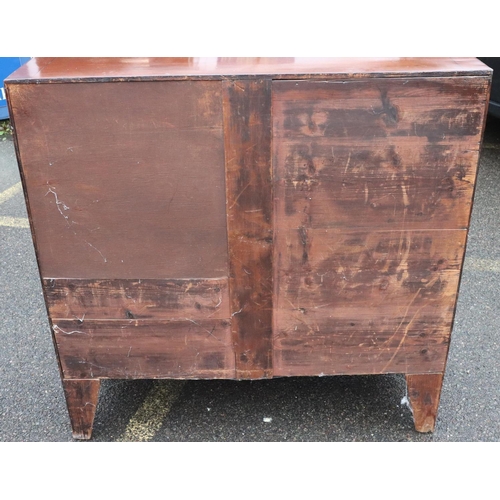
(102, 68)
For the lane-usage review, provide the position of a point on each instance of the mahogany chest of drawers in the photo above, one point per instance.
(249, 218)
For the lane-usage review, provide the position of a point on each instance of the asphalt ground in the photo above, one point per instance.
(355, 408)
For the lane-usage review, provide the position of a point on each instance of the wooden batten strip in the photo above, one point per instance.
(247, 132)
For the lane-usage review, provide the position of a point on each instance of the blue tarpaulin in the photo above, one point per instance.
(7, 66)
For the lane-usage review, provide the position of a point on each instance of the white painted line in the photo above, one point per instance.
(14, 222)
(149, 418)
(490, 265)
(10, 192)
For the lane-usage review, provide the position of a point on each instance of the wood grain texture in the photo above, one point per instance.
(365, 302)
(363, 189)
(247, 122)
(81, 398)
(424, 391)
(137, 299)
(145, 349)
(373, 189)
(399, 153)
(124, 180)
(249, 217)
(50, 69)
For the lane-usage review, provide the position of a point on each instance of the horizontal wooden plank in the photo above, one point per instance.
(398, 154)
(368, 331)
(381, 143)
(323, 159)
(137, 299)
(388, 202)
(49, 69)
(145, 349)
(369, 269)
(360, 361)
(353, 92)
(381, 291)
(433, 108)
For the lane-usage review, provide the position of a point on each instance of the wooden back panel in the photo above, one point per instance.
(373, 191)
(125, 179)
(125, 183)
(200, 221)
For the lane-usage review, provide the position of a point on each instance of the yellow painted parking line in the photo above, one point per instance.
(148, 419)
(14, 221)
(10, 192)
(490, 265)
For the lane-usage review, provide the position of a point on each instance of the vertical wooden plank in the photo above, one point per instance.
(424, 392)
(247, 135)
(81, 399)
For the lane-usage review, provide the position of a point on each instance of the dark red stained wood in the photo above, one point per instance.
(373, 189)
(424, 391)
(318, 359)
(137, 299)
(124, 180)
(247, 123)
(404, 105)
(81, 399)
(154, 206)
(43, 69)
(365, 302)
(386, 154)
(368, 191)
(145, 349)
